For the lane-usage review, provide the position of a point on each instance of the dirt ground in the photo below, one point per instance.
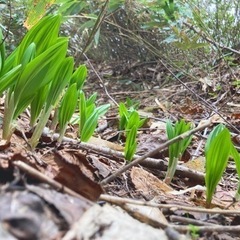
(64, 191)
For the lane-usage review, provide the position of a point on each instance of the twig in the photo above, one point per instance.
(190, 26)
(155, 151)
(208, 105)
(192, 221)
(100, 79)
(96, 26)
(202, 229)
(155, 51)
(148, 162)
(9, 23)
(196, 153)
(173, 207)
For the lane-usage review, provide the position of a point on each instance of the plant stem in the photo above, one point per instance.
(8, 117)
(39, 128)
(171, 171)
(54, 120)
(62, 132)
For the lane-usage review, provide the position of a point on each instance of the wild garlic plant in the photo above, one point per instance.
(177, 149)
(30, 67)
(218, 149)
(39, 74)
(89, 115)
(130, 121)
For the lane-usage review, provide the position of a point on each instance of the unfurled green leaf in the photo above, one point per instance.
(37, 104)
(44, 35)
(29, 54)
(79, 76)
(89, 115)
(131, 122)
(123, 113)
(34, 74)
(89, 127)
(60, 80)
(131, 144)
(236, 156)
(101, 110)
(68, 105)
(82, 111)
(217, 154)
(213, 134)
(91, 100)
(176, 149)
(9, 78)
(38, 73)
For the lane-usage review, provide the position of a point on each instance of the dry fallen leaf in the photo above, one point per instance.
(148, 184)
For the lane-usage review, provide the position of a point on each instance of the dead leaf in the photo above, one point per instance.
(147, 183)
(206, 83)
(102, 169)
(105, 143)
(197, 164)
(146, 214)
(72, 176)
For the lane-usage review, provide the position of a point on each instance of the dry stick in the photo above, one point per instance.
(200, 33)
(101, 81)
(95, 28)
(192, 221)
(33, 172)
(155, 151)
(211, 229)
(173, 207)
(199, 97)
(180, 169)
(8, 24)
(148, 162)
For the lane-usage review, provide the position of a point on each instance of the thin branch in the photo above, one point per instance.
(40, 176)
(148, 162)
(208, 105)
(155, 151)
(173, 207)
(190, 26)
(156, 52)
(9, 22)
(96, 26)
(100, 79)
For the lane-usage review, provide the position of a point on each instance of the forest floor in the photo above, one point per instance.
(63, 191)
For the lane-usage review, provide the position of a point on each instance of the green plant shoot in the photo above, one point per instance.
(30, 67)
(218, 149)
(67, 108)
(89, 115)
(2, 51)
(177, 149)
(131, 122)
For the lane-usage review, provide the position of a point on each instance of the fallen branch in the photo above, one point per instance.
(146, 162)
(155, 151)
(122, 202)
(173, 207)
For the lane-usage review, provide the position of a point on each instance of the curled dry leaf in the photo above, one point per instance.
(78, 177)
(147, 184)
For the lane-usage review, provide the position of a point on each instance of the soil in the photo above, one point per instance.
(59, 191)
